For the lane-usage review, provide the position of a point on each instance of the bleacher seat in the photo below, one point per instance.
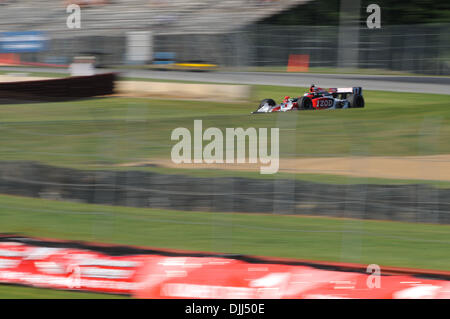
(160, 16)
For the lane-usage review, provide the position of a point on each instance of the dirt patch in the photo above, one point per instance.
(436, 167)
(184, 90)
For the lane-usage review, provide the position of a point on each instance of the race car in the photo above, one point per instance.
(316, 99)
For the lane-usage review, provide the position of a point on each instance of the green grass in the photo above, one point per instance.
(101, 133)
(328, 239)
(17, 292)
(117, 130)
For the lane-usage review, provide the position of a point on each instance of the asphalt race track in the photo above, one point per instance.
(438, 85)
(420, 84)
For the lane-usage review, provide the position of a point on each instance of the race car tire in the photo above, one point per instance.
(268, 101)
(305, 103)
(355, 100)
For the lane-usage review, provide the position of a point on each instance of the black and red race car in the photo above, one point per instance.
(316, 99)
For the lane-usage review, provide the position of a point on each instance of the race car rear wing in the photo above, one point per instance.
(353, 90)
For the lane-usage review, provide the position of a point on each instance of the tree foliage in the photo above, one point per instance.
(326, 12)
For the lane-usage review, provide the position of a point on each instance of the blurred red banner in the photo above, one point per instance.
(146, 273)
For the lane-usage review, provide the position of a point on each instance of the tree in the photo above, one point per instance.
(326, 12)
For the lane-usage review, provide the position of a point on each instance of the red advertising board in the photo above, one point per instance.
(234, 279)
(146, 273)
(65, 268)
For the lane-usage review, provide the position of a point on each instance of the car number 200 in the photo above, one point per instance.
(324, 103)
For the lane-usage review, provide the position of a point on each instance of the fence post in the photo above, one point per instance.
(348, 46)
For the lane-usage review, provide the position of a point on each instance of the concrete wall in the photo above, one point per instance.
(216, 92)
(59, 89)
(410, 203)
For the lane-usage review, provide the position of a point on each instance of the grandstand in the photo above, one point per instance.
(195, 30)
(222, 32)
(160, 16)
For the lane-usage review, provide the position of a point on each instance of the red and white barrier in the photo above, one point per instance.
(67, 268)
(234, 279)
(146, 273)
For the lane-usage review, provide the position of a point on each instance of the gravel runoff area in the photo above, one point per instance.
(435, 167)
